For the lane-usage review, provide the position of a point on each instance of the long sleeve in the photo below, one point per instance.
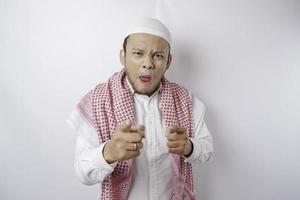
(202, 141)
(90, 166)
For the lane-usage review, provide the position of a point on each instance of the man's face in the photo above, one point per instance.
(146, 60)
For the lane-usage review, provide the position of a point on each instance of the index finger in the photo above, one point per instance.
(180, 130)
(175, 130)
(139, 129)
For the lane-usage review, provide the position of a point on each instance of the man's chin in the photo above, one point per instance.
(148, 92)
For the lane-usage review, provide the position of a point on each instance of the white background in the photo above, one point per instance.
(241, 58)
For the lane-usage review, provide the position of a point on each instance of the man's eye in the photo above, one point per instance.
(137, 53)
(159, 56)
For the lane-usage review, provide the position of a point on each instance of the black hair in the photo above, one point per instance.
(125, 43)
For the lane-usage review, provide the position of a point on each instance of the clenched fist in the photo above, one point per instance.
(178, 141)
(125, 143)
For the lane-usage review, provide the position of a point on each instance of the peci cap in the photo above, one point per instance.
(150, 26)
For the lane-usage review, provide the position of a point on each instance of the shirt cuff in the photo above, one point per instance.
(103, 162)
(195, 154)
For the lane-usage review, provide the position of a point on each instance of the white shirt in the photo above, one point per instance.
(152, 168)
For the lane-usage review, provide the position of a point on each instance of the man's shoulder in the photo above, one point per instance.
(111, 83)
(197, 103)
(179, 89)
(194, 97)
(99, 87)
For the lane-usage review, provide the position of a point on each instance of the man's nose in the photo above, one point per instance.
(148, 62)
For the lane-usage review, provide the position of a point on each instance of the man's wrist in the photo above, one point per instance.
(189, 149)
(106, 154)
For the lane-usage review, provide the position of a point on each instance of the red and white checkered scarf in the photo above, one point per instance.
(111, 103)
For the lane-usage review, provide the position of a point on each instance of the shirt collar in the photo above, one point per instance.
(134, 92)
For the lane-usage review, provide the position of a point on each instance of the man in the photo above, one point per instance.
(138, 133)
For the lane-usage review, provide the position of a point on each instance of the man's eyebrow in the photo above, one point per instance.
(162, 51)
(155, 52)
(137, 49)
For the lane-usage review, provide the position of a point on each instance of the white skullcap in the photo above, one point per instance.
(150, 26)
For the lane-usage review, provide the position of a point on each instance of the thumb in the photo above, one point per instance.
(125, 126)
(170, 129)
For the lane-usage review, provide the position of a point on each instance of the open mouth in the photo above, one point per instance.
(145, 78)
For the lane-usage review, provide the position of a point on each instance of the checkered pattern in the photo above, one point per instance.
(176, 107)
(111, 103)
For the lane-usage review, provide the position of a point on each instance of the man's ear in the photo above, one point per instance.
(122, 57)
(169, 61)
